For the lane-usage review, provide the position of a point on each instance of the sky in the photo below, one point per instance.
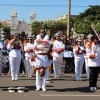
(45, 9)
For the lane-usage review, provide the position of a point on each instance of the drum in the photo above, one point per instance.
(15, 44)
(68, 54)
(44, 47)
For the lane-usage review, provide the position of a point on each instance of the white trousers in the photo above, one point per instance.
(14, 66)
(28, 67)
(57, 66)
(41, 81)
(78, 68)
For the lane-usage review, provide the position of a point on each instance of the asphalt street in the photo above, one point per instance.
(65, 88)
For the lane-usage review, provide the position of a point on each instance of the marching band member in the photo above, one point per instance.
(93, 61)
(40, 60)
(15, 48)
(58, 49)
(28, 54)
(86, 43)
(78, 51)
(1, 48)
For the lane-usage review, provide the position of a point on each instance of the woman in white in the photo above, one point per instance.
(78, 51)
(28, 54)
(58, 48)
(15, 48)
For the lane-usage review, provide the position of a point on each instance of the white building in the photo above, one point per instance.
(21, 26)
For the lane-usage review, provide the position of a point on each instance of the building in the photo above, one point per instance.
(21, 27)
(64, 17)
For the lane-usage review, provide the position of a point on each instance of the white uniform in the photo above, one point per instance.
(78, 60)
(93, 63)
(28, 54)
(14, 60)
(86, 60)
(57, 57)
(41, 61)
(95, 49)
(1, 48)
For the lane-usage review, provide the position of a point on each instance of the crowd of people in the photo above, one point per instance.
(39, 55)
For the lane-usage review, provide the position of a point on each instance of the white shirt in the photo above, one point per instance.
(95, 62)
(29, 46)
(57, 45)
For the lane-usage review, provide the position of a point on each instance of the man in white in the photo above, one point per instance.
(58, 48)
(41, 61)
(28, 54)
(93, 62)
(15, 48)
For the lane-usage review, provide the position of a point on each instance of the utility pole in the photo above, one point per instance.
(68, 20)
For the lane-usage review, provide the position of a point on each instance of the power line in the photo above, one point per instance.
(40, 5)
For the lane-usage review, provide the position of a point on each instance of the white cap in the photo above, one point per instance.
(57, 34)
(79, 40)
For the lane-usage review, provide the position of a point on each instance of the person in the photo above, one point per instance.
(15, 48)
(93, 53)
(86, 42)
(40, 60)
(5, 68)
(58, 49)
(78, 51)
(28, 54)
(1, 48)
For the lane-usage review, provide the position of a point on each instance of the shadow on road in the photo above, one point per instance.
(79, 89)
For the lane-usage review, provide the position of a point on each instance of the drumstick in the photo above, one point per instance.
(95, 32)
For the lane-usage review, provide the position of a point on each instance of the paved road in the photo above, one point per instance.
(64, 88)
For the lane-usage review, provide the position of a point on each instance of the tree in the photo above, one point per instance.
(53, 26)
(35, 27)
(6, 30)
(84, 20)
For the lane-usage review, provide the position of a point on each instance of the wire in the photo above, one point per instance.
(40, 5)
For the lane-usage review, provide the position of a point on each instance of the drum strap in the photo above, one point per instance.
(41, 53)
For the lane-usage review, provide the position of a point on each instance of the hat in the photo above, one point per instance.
(22, 89)
(89, 36)
(79, 40)
(33, 35)
(30, 37)
(12, 89)
(15, 33)
(57, 34)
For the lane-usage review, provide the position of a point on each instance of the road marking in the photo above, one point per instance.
(64, 95)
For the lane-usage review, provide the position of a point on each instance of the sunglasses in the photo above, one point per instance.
(41, 32)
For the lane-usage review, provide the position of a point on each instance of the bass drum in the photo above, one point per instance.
(15, 44)
(44, 47)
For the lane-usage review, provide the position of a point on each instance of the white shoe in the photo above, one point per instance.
(91, 88)
(47, 81)
(95, 88)
(29, 76)
(12, 79)
(44, 90)
(16, 79)
(38, 89)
